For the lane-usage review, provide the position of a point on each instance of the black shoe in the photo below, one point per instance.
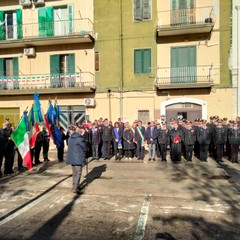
(38, 162)
(154, 159)
(149, 159)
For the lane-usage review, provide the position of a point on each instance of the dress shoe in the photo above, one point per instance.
(149, 159)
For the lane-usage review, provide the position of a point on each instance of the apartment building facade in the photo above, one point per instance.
(46, 47)
(138, 59)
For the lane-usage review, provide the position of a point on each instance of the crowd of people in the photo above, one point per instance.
(215, 138)
(105, 139)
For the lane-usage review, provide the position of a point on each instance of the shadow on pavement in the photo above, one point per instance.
(95, 173)
(49, 227)
(207, 185)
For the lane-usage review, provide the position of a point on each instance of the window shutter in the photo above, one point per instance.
(137, 61)
(146, 9)
(71, 70)
(137, 9)
(19, 23)
(2, 25)
(54, 70)
(97, 62)
(1, 67)
(174, 4)
(71, 63)
(45, 21)
(42, 21)
(55, 64)
(70, 16)
(15, 73)
(146, 60)
(49, 20)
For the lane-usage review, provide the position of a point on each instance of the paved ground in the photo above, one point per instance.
(123, 200)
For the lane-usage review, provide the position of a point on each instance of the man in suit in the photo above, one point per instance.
(140, 138)
(151, 138)
(163, 140)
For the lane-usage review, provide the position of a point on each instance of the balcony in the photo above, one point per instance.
(184, 77)
(47, 33)
(49, 83)
(185, 21)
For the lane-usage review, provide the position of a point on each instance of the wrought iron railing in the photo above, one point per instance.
(79, 27)
(184, 17)
(42, 81)
(184, 75)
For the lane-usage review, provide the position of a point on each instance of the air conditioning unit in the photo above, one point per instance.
(29, 51)
(25, 3)
(38, 2)
(89, 102)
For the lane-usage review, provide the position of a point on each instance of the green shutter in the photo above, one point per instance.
(15, 73)
(49, 19)
(2, 26)
(137, 9)
(137, 61)
(70, 17)
(174, 64)
(174, 4)
(45, 21)
(183, 64)
(146, 55)
(55, 70)
(1, 72)
(71, 69)
(146, 9)
(19, 23)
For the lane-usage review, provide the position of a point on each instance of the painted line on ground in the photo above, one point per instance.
(24, 209)
(194, 209)
(143, 218)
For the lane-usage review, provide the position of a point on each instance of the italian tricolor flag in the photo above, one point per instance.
(21, 139)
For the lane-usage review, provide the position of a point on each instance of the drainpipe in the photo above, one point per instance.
(238, 59)
(121, 61)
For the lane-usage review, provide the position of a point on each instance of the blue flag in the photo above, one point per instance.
(38, 108)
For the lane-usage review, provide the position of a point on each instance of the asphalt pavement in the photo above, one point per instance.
(127, 199)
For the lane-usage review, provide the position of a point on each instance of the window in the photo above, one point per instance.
(97, 63)
(183, 64)
(142, 10)
(142, 60)
(57, 21)
(11, 25)
(62, 68)
(9, 73)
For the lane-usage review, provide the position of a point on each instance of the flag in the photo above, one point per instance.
(33, 127)
(21, 139)
(38, 114)
(58, 112)
(54, 130)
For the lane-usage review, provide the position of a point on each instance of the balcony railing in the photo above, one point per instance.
(24, 82)
(79, 27)
(188, 18)
(182, 76)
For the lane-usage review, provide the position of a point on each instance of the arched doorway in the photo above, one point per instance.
(188, 108)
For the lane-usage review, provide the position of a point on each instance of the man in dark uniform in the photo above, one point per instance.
(38, 146)
(204, 138)
(163, 140)
(189, 140)
(46, 141)
(234, 141)
(219, 139)
(106, 132)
